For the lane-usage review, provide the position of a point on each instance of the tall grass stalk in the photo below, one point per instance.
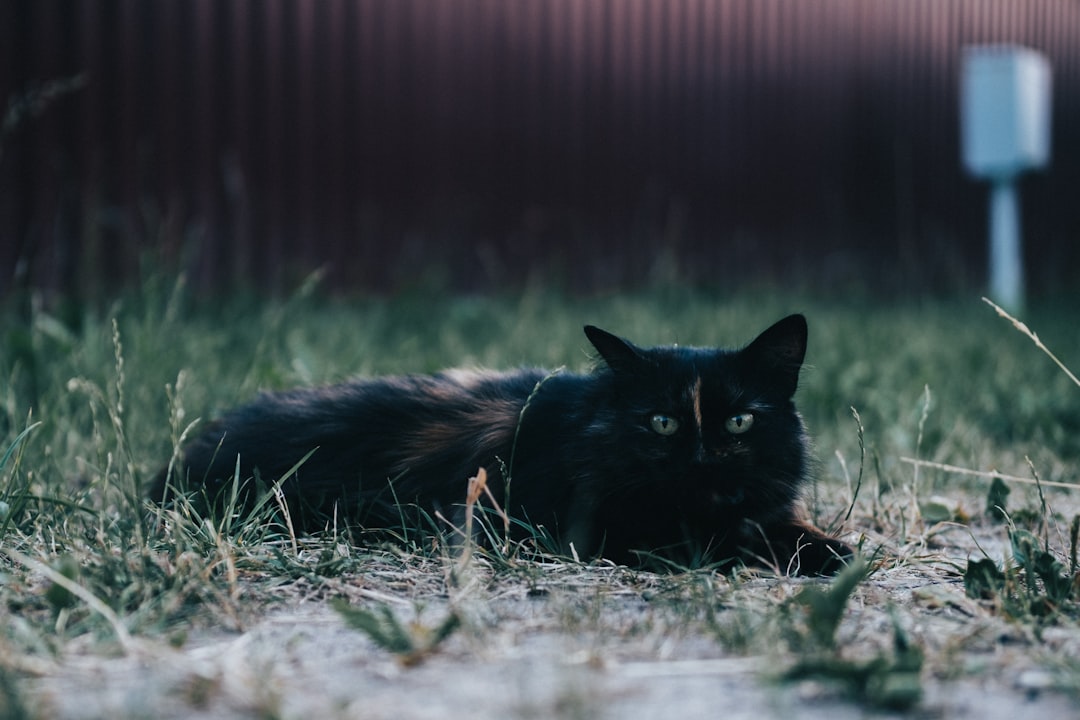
(1035, 339)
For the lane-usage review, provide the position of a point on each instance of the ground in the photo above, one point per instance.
(575, 642)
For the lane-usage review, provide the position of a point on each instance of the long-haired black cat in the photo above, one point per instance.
(687, 454)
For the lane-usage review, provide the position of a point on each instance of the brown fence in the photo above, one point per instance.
(485, 142)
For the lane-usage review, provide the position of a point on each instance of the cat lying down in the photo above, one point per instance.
(689, 455)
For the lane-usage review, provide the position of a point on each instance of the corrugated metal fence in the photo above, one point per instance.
(484, 142)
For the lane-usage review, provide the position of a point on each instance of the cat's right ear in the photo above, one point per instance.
(780, 350)
(619, 354)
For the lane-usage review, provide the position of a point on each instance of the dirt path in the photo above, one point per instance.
(575, 642)
(307, 664)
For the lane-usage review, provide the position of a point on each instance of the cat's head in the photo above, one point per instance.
(714, 431)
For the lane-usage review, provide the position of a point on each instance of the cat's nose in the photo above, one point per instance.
(709, 455)
(734, 497)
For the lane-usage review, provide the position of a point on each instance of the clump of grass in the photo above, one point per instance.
(106, 567)
(16, 493)
(1034, 585)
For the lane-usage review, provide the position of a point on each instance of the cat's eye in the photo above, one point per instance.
(663, 424)
(738, 424)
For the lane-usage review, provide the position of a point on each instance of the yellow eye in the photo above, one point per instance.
(738, 424)
(663, 424)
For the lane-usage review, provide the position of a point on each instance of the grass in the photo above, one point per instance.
(897, 398)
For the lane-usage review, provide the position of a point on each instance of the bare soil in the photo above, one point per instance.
(570, 641)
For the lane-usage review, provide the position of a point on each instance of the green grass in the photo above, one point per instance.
(87, 416)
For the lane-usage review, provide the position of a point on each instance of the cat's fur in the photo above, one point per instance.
(585, 456)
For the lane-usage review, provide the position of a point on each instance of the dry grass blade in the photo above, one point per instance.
(862, 463)
(1034, 338)
(986, 474)
(478, 486)
(283, 506)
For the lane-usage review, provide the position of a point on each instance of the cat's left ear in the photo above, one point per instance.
(780, 350)
(619, 354)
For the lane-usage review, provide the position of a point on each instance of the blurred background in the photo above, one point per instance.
(489, 145)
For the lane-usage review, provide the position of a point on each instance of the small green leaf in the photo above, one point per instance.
(58, 595)
(996, 500)
(1024, 547)
(446, 629)
(894, 690)
(1057, 584)
(826, 607)
(983, 579)
(936, 509)
(15, 444)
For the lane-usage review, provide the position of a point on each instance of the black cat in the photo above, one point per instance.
(685, 454)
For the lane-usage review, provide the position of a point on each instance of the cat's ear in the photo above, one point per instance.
(780, 351)
(619, 354)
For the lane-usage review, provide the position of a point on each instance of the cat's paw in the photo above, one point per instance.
(799, 548)
(821, 555)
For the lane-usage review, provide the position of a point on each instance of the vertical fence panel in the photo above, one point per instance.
(248, 142)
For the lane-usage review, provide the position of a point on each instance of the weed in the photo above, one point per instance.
(411, 644)
(1034, 586)
(825, 608)
(997, 500)
(887, 679)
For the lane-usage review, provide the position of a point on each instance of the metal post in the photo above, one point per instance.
(1006, 262)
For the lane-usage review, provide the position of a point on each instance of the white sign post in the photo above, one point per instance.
(1005, 129)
